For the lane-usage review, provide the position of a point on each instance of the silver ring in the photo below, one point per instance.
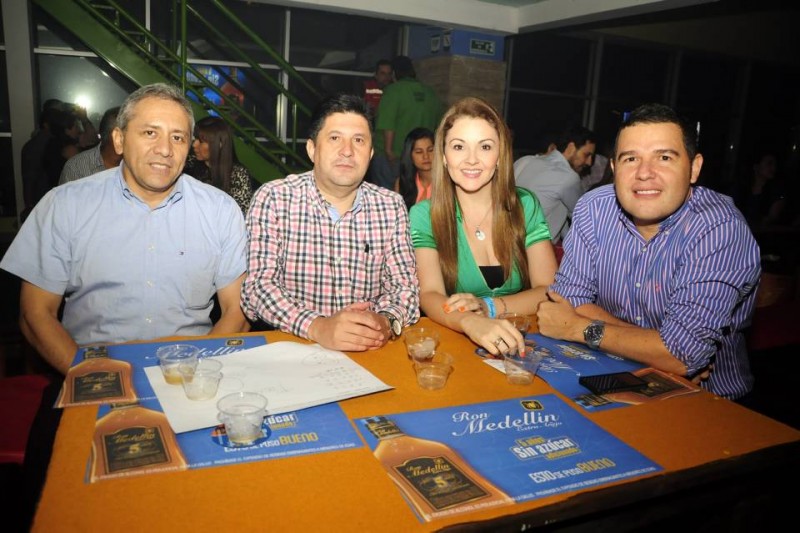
(499, 340)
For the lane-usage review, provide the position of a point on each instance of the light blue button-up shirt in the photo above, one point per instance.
(129, 272)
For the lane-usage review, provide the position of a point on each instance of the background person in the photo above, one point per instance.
(406, 104)
(414, 179)
(555, 177)
(213, 147)
(482, 244)
(97, 159)
(373, 87)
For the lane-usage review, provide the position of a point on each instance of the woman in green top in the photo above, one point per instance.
(482, 244)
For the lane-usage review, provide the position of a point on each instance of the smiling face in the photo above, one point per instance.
(653, 173)
(422, 154)
(154, 146)
(471, 150)
(341, 153)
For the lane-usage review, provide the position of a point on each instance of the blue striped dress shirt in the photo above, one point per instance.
(695, 281)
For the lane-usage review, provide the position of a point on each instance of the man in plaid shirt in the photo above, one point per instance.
(330, 256)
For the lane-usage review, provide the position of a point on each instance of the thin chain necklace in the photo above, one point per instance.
(479, 234)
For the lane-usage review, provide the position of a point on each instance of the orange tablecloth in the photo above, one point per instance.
(349, 490)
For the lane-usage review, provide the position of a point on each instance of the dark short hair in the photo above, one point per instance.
(107, 124)
(381, 63)
(578, 135)
(661, 114)
(337, 103)
(403, 67)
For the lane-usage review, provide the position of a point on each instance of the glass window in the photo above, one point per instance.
(549, 62)
(5, 114)
(7, 199)
(328, 84)
(86, 81)
(607, 119)
(535, 119)
(51, 34)
(344, 42)
(633, 74)
(208, 27)
(706, 96)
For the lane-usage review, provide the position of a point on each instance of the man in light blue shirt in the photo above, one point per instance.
(137, 252)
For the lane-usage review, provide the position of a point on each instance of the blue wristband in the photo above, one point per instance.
(490, 306)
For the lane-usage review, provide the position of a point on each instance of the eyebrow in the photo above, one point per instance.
(660, 151)
(462, 140)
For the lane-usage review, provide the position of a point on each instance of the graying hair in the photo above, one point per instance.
(155, 90)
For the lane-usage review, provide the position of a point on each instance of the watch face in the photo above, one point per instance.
(397, 329)
(593, 334)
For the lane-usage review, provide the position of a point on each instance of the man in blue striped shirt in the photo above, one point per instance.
(656, 269)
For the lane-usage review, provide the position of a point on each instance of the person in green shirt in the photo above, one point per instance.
(482, 244)
(406, 104)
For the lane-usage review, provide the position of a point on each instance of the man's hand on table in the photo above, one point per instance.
(559, 320)
(352, 329)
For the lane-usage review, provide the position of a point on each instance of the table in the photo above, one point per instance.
(720, 461)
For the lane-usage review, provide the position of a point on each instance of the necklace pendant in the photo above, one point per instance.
(479, 234)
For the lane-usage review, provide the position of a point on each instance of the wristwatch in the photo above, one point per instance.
(395, 326)
(593, 334)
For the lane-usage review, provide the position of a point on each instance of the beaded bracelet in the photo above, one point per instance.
(490, 306)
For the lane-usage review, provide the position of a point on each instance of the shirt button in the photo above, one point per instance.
(338, 260)
(148, 320)
(151, 247)
(149, 283)
(638, 319)
(638, 284)
(644, 249)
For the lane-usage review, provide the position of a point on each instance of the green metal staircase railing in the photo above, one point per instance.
(129, 47)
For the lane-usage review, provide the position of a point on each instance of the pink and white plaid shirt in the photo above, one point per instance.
(303, 265)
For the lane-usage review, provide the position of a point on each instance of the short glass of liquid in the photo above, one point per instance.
(243, 415)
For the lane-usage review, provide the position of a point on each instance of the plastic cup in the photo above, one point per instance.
(209, 363)
(432, 373)
(421, 342)
(170, 357)
(520, 322)
(521, 367)
(243, 414)
(199, 383)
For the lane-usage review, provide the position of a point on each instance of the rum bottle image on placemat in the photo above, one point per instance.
(432, 476)
(131, 439)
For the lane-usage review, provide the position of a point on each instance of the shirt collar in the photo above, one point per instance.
(175, 195)
(327, 207)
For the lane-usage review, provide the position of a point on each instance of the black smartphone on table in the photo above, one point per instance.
(613, 382)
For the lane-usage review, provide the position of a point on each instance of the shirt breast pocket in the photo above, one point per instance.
(366, 275)
(197, 279)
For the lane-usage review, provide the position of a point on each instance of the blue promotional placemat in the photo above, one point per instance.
(144, 355)
(315, 430)
(523, 449)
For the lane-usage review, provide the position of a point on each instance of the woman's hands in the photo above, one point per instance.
(464, 302)
(496, 336)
